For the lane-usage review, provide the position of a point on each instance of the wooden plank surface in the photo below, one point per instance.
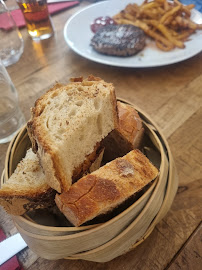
(172, 96)
(190, 256)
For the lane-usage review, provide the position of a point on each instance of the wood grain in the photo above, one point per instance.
(172, 96)
(190, 256)
(186, 145)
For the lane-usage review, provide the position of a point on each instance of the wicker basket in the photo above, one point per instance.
(105, 241)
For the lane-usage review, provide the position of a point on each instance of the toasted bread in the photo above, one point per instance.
(68, 123)
(127, 136)
(106, 188)
(26, 189)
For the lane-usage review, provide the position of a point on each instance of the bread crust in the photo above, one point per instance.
(36, 112)
(52, 162)
(20, 204)
(115, 110)
(127, 136)
(130, 124)
(103, 190)
(26, 189)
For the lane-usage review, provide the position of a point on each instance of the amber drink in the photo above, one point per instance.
(37, 18)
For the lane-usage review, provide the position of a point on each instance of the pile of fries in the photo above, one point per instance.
(168, 23)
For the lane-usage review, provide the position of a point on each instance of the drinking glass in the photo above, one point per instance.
(11, 42)
(11, 117)
(37, 18)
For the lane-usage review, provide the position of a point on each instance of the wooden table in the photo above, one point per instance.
(172, 96)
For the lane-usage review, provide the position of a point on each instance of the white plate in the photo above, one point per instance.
(77, 34)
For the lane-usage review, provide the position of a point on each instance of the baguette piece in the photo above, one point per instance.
(128, 136)
(105, 189)
(98, 161)
(26, 189)
(68, 123)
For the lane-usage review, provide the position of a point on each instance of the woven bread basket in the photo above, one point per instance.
(104, 241)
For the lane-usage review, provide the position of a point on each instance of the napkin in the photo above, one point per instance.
(19, 19)
(11, 264)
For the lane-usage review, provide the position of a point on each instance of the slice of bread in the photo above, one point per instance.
(98, 161)
(105, 189)
(127, 136)
(68, 123)
(26, 189)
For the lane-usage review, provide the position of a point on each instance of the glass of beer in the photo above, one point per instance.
(37, 18)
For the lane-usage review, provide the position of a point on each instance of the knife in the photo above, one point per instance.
(11, 246)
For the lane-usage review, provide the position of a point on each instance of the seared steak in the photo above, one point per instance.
(120, 40)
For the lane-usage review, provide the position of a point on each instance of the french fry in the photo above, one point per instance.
(162, 47)
(161, 11)
(170, 35)
(186, 11)
(166, 6)
(186, 23)
(177, 2)
(168, 23)
(164, 30)
(132, 9)
(190, 6)
(148, 31)
(150, 5)
(128, 16)
(185, 34)
(169, 14)
(154, 14)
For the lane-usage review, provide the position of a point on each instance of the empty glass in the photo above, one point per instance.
(11, 117)
(11, 42)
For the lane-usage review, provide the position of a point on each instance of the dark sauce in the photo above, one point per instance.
(100, 22)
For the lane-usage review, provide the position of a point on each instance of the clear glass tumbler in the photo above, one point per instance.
(11, 42)
(11, 117)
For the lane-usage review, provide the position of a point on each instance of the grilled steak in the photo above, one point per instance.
(120, 40)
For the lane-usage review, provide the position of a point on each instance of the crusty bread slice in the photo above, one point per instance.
(26, 189)
(130, 124)
(98, 161)
(127, 136)
(68, 123)
(109, 186)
